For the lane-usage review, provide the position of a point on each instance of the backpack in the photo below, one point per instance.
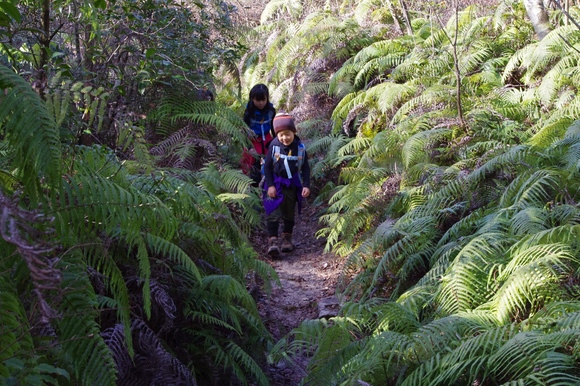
(286, 158)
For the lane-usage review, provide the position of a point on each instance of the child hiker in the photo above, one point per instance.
(287, 181)
(258, 116)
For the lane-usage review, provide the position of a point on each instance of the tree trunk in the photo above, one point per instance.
(406, 17)
(400, 15)
(44, 42)
(457, 69)
(538, 16)
(394, 15)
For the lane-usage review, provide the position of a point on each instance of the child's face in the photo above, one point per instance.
(260, 104)
(286, 137)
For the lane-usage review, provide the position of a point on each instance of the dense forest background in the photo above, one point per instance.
(445, 148)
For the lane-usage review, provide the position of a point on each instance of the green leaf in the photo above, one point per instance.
(33, 380)
(10, 10)
(14, 363)
(47, 368)
(150, 53)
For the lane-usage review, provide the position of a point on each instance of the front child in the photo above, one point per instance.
(287, 181)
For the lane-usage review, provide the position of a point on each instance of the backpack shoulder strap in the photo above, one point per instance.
(276, 155)
(301, 153)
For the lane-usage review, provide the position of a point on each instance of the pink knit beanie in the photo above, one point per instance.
(283, 121)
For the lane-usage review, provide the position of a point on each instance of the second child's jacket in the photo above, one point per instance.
(261, 124)
(260, 121)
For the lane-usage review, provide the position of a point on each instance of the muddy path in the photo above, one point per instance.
(308, 278)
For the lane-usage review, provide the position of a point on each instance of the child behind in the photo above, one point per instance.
(284, 188)
(258, 116)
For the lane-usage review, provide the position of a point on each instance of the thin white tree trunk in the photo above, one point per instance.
(538, 16)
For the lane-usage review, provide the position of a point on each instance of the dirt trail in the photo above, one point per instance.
(308, 279)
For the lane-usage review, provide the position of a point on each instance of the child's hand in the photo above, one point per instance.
(272, 191)
(305, 192)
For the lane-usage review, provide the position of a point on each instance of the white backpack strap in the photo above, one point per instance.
(277, 155)
(275, 152)
(262, 128)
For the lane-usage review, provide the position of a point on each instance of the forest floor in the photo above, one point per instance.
(308, 279)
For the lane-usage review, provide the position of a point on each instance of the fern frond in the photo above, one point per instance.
(396, 356)
(520, 355)
(550, 132)
(239, 360)
(15, 334)
(341, 79)
(97, 257)
(410, 241)
(529, 220)
(395, 317)
(464, 285)
(91, 359)
(391, 95)
(338, 338)
(31, 132)
(224, 119)
(97, 202)
(530, 280)
(168, 249)
(517, 60)
(378, 58)
(292, 7)
(437, 94)
(471, 356)
(530, 190)
(415, 147)
(550, 49)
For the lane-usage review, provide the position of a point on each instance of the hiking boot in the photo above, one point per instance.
(273, 249)
(287, 245)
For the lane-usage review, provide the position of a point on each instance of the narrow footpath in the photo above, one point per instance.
(308, 278)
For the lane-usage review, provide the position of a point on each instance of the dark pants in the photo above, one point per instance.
(285, 212)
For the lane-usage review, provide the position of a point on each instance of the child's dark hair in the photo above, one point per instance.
(260, 92)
